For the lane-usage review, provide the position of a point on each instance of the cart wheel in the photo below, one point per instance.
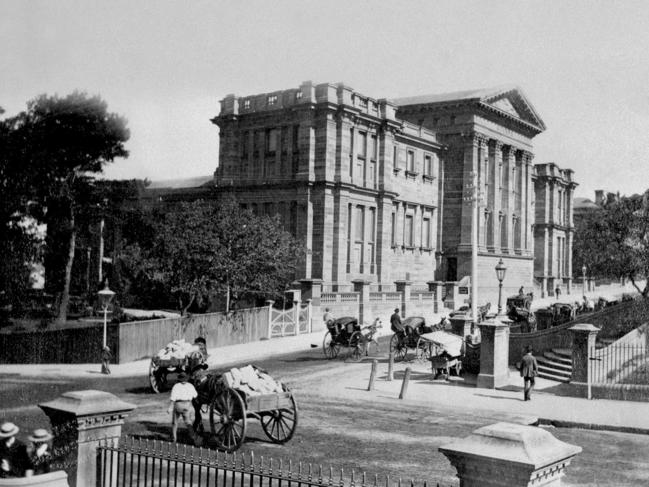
(398, 347)
(423, 350)
(228, 420)
(357, 346)
(280, 424)
(156, 379)
(330, 347)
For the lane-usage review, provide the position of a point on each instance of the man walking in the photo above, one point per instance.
(529, 370)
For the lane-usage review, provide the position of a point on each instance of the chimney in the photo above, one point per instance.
(599, 196)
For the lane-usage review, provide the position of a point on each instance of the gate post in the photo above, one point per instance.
(494, 354)
(81, 420)
(362, 287)
(296, 316)
(510, 455)
(403, 287)
(270, 303)
(583, 341)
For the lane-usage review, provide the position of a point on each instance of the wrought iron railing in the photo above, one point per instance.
(620, 364)
(138, 462)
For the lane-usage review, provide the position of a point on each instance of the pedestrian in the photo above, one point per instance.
(106, 355)
(395, 322)
(521, 291)
(38, 453)
(529, 370)
(182, 394)
(13, 453)
(557, 292)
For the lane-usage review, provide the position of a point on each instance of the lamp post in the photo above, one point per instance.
(583, 280)
(105, 297)
(500, 274)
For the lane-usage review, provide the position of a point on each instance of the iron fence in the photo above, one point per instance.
(620, 364)
(149, 463)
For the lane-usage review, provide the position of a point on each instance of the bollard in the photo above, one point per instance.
(375, 364)
(404, 384)
(390, 366)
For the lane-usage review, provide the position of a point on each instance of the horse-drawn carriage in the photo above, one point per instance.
(409, 336)
(346, 332)
(230, 404)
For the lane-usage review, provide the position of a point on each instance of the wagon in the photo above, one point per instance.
(410, 337)
(445, 352)
(160, 369)
(346, 332)
(230, 409)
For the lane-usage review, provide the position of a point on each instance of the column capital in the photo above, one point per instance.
(496, 144)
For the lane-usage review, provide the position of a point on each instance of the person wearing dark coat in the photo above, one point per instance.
(529, 370)
(395, 322)
(13, 453)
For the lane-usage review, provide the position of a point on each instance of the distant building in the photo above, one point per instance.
(554, 228)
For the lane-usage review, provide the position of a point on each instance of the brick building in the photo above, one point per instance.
(554, 228)
(376, 187)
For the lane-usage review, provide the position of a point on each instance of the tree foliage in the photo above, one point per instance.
(613, 242)
(207, 249)
(56, 147)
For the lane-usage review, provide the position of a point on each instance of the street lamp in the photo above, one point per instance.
(500, 274)
(583, 277)
(105, 297)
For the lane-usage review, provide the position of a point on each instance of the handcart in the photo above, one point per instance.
(445, 352)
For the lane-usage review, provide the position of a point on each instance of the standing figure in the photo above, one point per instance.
(557, 292)
(529, 370)
(182, 395)
(395, 322)
(38, 453)
(521, 291)
(13, 453)
(106, 355)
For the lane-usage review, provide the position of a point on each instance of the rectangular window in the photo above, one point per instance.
(246, 104)
(373, 147)
(272, 99)
(407, 231)
(283, 137)
(296, 138)
(425, 233)
(428, 165)
(360, 223)
(410, 161)
(362, 144)
(298, 95)
(393, 229)
(244, 143)
(271, 140)
(371, 225)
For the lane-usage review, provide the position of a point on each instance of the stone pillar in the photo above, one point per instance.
(312, 290)
(583, 341)
(510, 455)
(362, 287)
(436, 287)
(80, 421)
(452, 295)
(495, 197)
(403, 287)
(494, 354)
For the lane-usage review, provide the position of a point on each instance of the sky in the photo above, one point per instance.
(164, 65)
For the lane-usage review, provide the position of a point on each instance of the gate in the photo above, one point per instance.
(291, 321)
(144, 463)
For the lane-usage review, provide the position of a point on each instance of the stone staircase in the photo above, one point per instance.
(556, 365)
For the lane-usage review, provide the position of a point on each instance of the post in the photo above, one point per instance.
(494, 354)
(436, 287)
(80, 421)
(404, 384)
(510, 455)
(500, 297)
(390, 366)
(105, 324)
(403, 287)
(362, 287)
(474, 247)
(296, 316)
(583, 341)
(270, 303)
(375, 364)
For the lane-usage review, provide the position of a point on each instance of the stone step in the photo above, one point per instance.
(557, 372)
(551, 376)
(558, 358)
(563, 352)
(554, 364)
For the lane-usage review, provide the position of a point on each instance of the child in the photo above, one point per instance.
(38, 454)
(106, 355)
(182, 394)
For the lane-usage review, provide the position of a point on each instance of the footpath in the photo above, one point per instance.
(350, 380)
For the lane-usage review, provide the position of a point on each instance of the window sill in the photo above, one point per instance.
(408, 247)
(396, 170)
(428, 179)
(411, 174)
(425, 249)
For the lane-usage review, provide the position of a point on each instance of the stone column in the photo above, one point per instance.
(403, 287)
(494, 354)
(363, 287)
(452, 295)
(510, 455)
(436, 287)
(583, 341)
(81, 420)
(312, 290)
(494, 197)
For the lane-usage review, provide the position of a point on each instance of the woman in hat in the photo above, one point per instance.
(38, 453)
(13, 454)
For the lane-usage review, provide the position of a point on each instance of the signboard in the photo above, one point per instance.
(463, 290)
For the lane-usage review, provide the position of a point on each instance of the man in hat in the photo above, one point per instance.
(395, 322)
(38, 453)
(182, 394)
(529, 370)
(13, 453)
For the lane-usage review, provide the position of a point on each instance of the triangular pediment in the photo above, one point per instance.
(512, 101)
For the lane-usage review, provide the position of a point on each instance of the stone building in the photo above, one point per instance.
(488, 135)
(360, 186)
(553, 228)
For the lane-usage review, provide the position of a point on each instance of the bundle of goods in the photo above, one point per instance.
(251, 380)
(178, 349)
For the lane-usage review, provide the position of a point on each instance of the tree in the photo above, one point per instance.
(61, 144)
(614, 241)
(204, 249)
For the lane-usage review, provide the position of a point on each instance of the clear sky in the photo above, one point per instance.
(164, 65)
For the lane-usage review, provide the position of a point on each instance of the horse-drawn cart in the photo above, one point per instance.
(178, 356)
(346, 332)
(445, 352)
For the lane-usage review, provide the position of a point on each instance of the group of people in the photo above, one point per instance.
(18, 459)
